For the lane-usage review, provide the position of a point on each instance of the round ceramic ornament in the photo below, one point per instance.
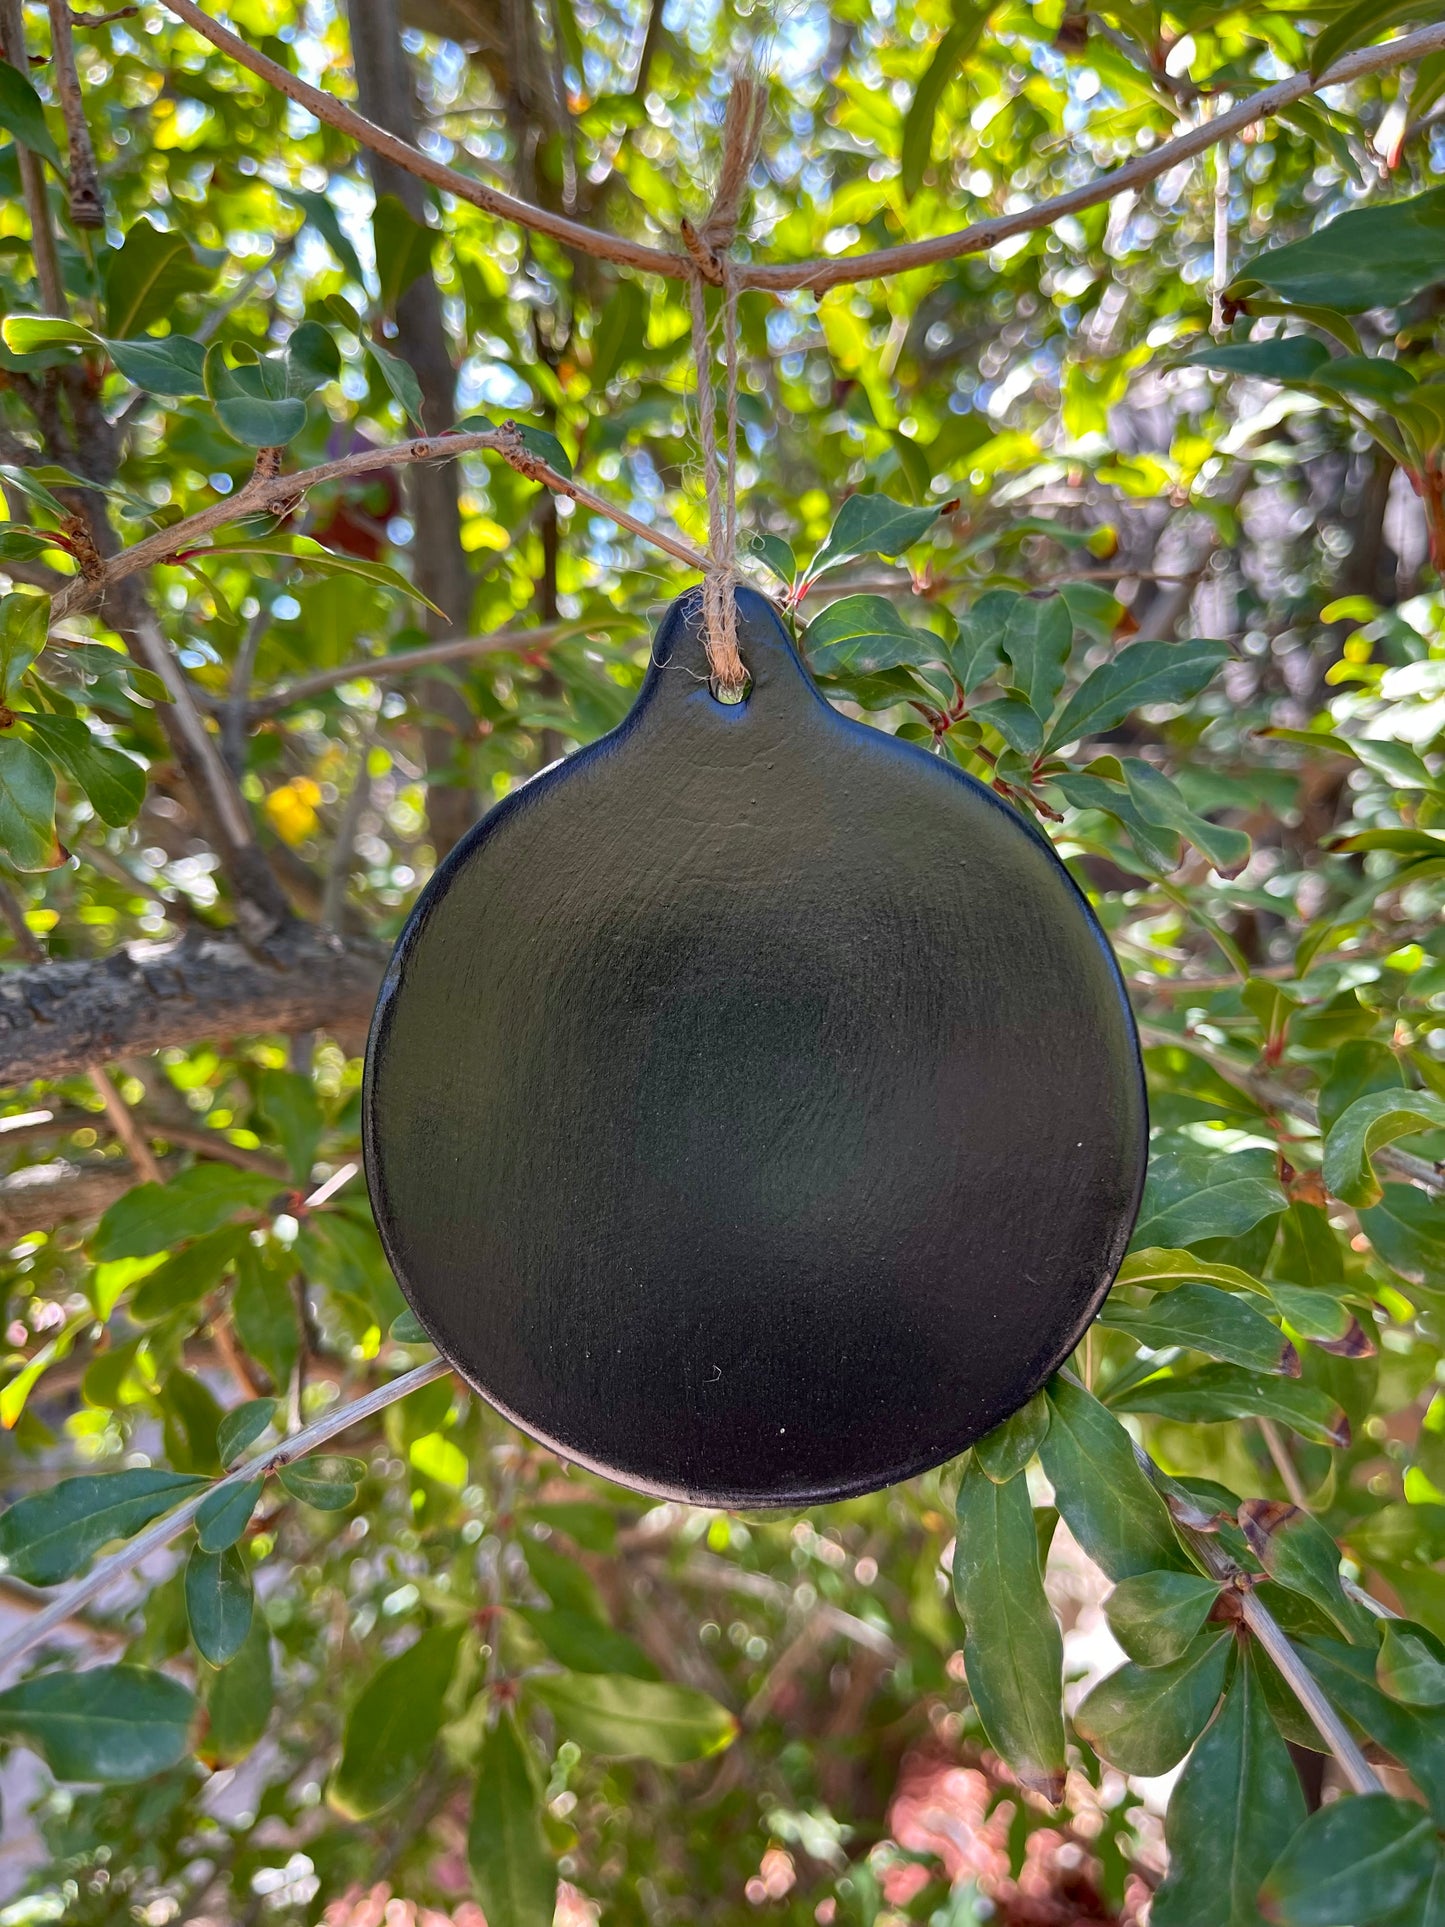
(753, 1109)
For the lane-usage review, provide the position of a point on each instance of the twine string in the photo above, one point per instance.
(708, 247)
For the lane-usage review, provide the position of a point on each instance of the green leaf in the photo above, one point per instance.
(1236, 1805)
(860, 634)
(28, 482)
(1162, 1270)
(186, 1278)
(775, 552)
(401, 380)
(264, 1310)
(636, 1718)
(403, 248)
(407, 1329)
(22, 115)
(1360, 1067)
(242, 1426)
(321, 215)
(392, 1729)
(53, 1535)
(224, 1515)
(153, 1217)
(329, 1484)
(1363, 22)
(1008, 1448)
(1204, 1319)
(1142, 674)
(1099, 1487)
(538, 441)
(192, 1418)
(146, 276)
(585, 1645)
(1013, 1651)
(513, 1872)
(1287, 358)
(1036, 640)
(1155, 1616)
(562, 1579)
(1296, 1550)
(1018, 724)
(948, 57)
(1217, 1392)
(1415, 1735)
(1410, 1665)
(170, 365)
(1192, 1195)
(24, 626)
(872, 525)
(109, 1723)
(261, 423)
(219, 1602)
(1371, 257)
(1158, 800)
(27, 807)
(289, 1104)
(1144, 1719)
(114, 784)
(1359, 1859)
(593, 1527)
(27, 334)
(239, 1697)
(1367, 1126)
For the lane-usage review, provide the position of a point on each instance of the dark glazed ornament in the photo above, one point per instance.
(753, 1109)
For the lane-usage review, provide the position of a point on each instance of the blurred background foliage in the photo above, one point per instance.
(1140, 519)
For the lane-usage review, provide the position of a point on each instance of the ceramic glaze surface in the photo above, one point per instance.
(753, 1109)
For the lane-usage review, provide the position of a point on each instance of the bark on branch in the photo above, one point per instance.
(57, 1019)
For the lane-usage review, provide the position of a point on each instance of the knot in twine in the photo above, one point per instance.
(707, 246)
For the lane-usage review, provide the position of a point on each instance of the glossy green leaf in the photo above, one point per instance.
(22, 115)
(1235, 1807)
(1296, 1550)
(1204, 1319)
(114, 783)
(146, 276)
(1367, 1126)
(170, 365)
(1414, 1735)
(1144, 1719)
(1371, 257)
(403, 248)
(1111, 1508)
(392, 1729)
(1410, 1665)
(219, 1602)
(24, 625)
(1012, 1649)
(108, 1723)
(1361, 1859)
(860, 634)
(635, 1718)
(1006, 1450)
(264, 1312)
(224, 1515)
(585, 1645)
(27, 807)
(1036, 640)
(513, 1871)
(957, 43)
(1216, 1392)
(289, 1104)
(871, 525)
(53, 1535)
(1155, 1616)
(242, 1426)
(1192, 1195)
(400, 378)
(327, 1483)
(153, 1217)
(1142, 674)
(239, 1697)
(189, 1275)
(1286, 358)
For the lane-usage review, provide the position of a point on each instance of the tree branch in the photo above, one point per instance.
(41, 1196)
(340, 1419)
(59, 1018)
(837, 271)
(271, 494)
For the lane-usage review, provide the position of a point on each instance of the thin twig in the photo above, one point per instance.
(32, 177)
(1284, 1464)
(126, 1126)
(263, 494)
(86, 210)
(834, 271)
(340, 1419)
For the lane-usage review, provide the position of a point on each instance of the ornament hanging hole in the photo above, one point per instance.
(730, 695)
